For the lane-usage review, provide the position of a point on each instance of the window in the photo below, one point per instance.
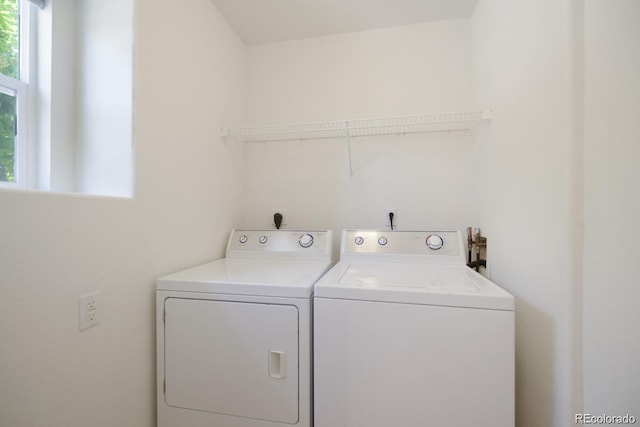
(66, 96)
(13, 92)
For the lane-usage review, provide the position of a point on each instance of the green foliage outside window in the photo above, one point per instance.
(9, 58)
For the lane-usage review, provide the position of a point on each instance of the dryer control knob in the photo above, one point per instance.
(359, 240)
(382, 241)
(262, 240)
(435, 242)
(306, 240)
(243, 239)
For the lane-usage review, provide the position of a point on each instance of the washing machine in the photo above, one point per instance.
(405, 334)
(234, 335)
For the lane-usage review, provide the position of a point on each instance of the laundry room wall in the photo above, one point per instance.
(426, 178)
(103, 74)
(190, 76)
(525, 68)
(612, 208)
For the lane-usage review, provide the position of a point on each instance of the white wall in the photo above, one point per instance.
(103, 104)
(612, 208)
(523, 68)
(62, 136)
(189, 82)
(392, 72)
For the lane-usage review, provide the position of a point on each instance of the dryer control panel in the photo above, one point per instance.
(280, 244)
(444, 247)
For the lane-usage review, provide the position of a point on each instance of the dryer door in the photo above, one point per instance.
(232, 358)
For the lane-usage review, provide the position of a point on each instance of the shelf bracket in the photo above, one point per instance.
(348, 136)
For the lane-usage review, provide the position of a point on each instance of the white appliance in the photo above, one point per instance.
(234, 335)
(406, 335)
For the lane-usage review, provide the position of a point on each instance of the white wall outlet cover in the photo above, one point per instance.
(89, 310)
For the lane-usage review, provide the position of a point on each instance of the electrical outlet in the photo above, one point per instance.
(282, 212)
(387, 219)
(89, 310)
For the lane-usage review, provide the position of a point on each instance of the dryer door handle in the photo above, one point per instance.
(278, 364)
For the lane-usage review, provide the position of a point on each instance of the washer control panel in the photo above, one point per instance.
(277, 243)
(402, 244)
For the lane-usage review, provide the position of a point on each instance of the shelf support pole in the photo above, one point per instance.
(346, 126)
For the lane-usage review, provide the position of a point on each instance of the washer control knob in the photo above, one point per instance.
(359, 240)
(306, 240)
(382, 241)
(435, 242)
(262, 240)
(243, 239)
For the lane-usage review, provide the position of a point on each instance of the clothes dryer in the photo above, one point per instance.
(234, 335)
(405, 334)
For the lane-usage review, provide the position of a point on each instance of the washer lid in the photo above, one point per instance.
(260, 277)
(446, 285)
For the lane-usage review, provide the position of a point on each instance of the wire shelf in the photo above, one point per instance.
(438, 122)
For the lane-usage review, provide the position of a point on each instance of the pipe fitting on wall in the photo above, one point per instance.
(477, 241)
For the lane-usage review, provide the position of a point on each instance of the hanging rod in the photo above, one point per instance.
(437, 122)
